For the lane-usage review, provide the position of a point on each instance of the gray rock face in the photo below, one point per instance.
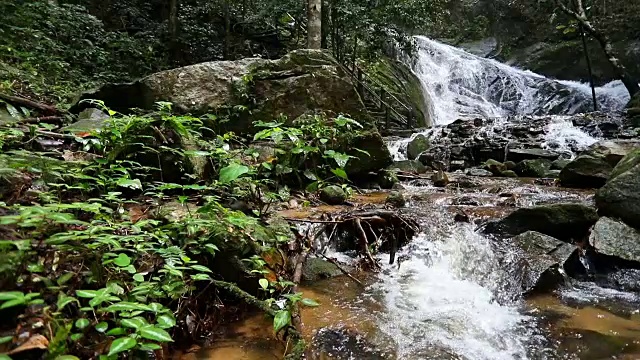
(542, 258)
(417, 146)
(613, 151)
(479, 172)
(303, 81)
(333, 195)
(586, 172)
(615, 238)
(620, 196)
(410, 166)
(562, 221)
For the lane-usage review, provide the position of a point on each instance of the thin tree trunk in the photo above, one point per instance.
(326, 28)
(314, 24)
(227, 30)
(621, 72)
(173, 29)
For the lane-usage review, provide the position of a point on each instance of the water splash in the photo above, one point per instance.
(451, 297)
(463, 86)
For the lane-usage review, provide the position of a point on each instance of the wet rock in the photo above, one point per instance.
(465, 200)
(417, 146)
(496, 167)
(387, 179)
(396, 198)
(375, 158)
(533, 168)
(563, 221)
(585, 172)
(479, 172)
(509, 173)
(315, 269)
(410, 166)
(615, 238)
(552, 174)
(440, 179)
(542, 260)
(613, 151)
(90, 119)
(517, 155)
(620, 196)
(510, 165)
(344, 344)
(559, 164)
(333, 195)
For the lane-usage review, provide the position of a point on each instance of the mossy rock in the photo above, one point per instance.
(496, 167)
(317, 269)
(333, 195)
(586, 172)
(533, 168)
(417, 146)
(509, 173)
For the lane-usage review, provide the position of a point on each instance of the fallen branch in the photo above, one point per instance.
(43, 119)
(342, 269)
(364, 244)
(48, 109)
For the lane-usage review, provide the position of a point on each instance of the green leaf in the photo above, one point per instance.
(116, 332)
(309, 302)
(102, 326)
(82, 323)
(63, 279)
(129, 183)
(155, 333)
(150, 347)
(4, 357)
(11, 295)
(127, 306)
(122, 344)
(166, 321)
(201, 277)
(86, 293)
(76, 337)
(340, 173)
(232, 172)
(201, 268)
(67, 357)
(138, 277)
(5, 339)
(264, 283)
(282, 319)
(12, 303)
(64, 300)
(135, 323)
(123, 260)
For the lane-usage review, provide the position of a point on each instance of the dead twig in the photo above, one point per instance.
(47, 109)
(344, 271)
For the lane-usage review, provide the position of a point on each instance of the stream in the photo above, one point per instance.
(453, 293)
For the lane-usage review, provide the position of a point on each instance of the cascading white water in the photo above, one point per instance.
(460, 85)
(449, 300)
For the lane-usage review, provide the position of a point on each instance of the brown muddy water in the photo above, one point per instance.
(453, 295)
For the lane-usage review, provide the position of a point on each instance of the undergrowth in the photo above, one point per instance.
(108, 246)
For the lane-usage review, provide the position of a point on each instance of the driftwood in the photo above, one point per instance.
(46, 109)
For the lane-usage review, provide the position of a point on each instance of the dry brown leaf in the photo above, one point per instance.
(35, 342)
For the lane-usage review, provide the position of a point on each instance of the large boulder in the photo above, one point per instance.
(586, 172)
(613, 151)
(302, 82)
(533, 168)
(542, 259)
(370, 153)
(620, 196)
(417, 146)
(567, 221)
(612, 237)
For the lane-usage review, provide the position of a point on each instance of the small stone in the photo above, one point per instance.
(495, 167)
(396, 199)
(509, 173)
(440, 179)
(333, 195)
(479, 172)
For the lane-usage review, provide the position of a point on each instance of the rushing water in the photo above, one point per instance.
(460, 85)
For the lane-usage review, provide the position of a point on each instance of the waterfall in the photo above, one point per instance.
(460, 85)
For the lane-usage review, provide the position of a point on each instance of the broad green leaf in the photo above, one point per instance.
(201, 268)
(340, 173)
(64, 300)
(122, 260)
(76, 337)
(129, 183)
(5, 339)
(126, 306)
(135, 323)
(86, 293)
(12, 303)
(155, 333)
(309, 302)
(82, 323)
(232, 172)
(121, 344)
(4, 357)
(138, 277)
(116, 332)
(282, 319)
(102, 326)
(150, 347)
(165, 321)
(63, 279)
(201, 277)
(11, 295)
(264, 283)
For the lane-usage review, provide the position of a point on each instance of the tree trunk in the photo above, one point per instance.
(173, 29)
(621, 72)
(326, 27)
(314, 24)
(227, 30)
